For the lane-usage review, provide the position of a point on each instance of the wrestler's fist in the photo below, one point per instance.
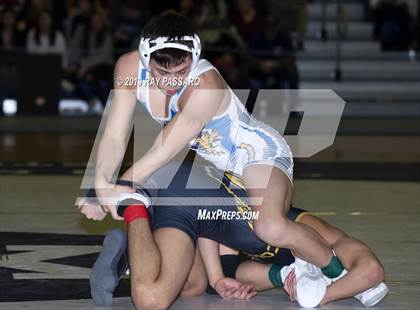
(290, 285)
(234, 289)
(90, 209)
(108, 197)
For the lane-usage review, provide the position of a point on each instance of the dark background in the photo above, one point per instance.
(57, 58)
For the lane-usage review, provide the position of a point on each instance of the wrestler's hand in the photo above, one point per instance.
(234, 289)
(108, 198)
(290, 285)
(91, 210)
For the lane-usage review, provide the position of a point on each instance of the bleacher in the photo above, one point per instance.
(374, 84)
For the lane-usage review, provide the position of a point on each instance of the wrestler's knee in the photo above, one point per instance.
(357, 254)
(146, 299)
(374, 270)
(194, 288)
(269, 229)
(331, 234)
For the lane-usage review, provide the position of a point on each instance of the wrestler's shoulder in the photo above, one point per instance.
(128, 63)
(211, 79)
(208, 80)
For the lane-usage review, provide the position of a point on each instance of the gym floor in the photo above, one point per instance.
(47, 247)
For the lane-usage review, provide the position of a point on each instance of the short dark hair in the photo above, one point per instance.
(174, 26)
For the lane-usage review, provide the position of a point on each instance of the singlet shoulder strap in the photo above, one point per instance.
(203, 66)
(143, 74)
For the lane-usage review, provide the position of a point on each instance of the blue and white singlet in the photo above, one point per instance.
(230, 141)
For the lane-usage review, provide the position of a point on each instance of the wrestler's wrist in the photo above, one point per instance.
(101, 183)
(213, 281)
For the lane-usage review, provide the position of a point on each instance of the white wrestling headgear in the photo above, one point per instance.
(145, 48)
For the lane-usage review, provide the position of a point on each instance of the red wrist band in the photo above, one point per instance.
(133, 212)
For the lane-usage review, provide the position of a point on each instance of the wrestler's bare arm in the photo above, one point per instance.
(209, 251)
(225, 287)
(201, 105)
(112, 145)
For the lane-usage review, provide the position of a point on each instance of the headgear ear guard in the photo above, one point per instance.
(146, 50)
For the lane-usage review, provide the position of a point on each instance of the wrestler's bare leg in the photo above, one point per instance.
(272, 226)
(196, 283)
(365, 270)
(159, 264)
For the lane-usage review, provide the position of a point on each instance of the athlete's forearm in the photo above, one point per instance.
(116, 134)
(109, 157)
(209, 251)
(143, 168)
(255, 273)
(170, 141)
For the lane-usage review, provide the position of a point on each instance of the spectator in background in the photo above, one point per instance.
(275, 63)
(46, 38)
(103, 7)
(229, 59)
(418, 28)
(224, 48)
(394, 26)
(11, 42)
(32, 9)
(291, 18)
(11, 38)
(247, 19)
(92, 59)
(303, 20)
(80, 14)
(186, 8)
(209, 19)
(414, 9)
(128, 25)
(9, 3)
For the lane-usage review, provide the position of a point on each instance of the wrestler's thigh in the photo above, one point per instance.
(196, 283)
(177, 252)
(269, 188)
(349, 250)
(328, 232)
(352, 252)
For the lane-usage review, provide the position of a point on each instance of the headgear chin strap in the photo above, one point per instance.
(145, 48)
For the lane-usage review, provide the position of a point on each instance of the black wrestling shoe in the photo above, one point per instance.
(109, 267)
